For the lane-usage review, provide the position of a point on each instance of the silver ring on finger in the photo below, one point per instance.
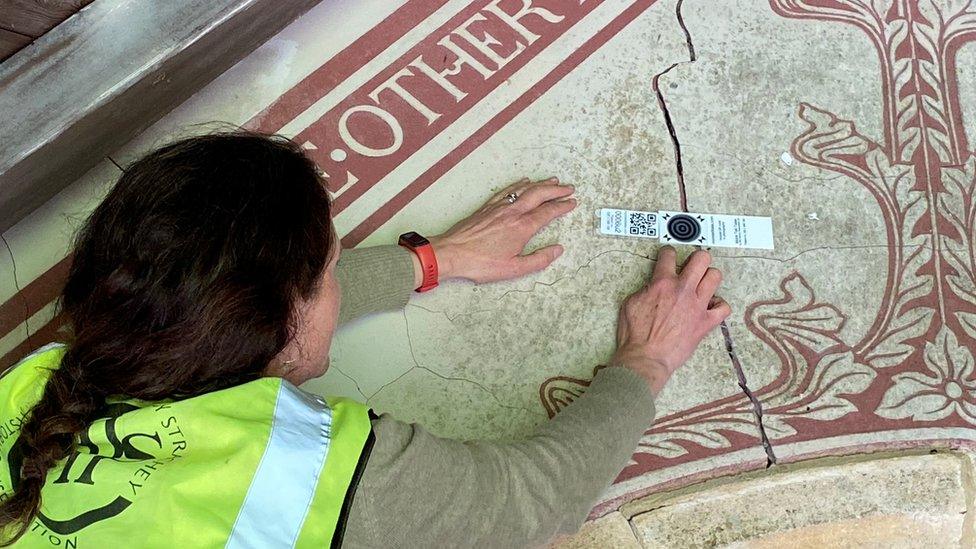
(512, 197)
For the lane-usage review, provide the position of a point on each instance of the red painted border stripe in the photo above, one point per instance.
(46, 288)
(428, 178)
(340, 67)
(34, 297)
(48, 333)
(473, 97)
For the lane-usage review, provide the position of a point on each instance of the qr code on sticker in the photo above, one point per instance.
(643, 224)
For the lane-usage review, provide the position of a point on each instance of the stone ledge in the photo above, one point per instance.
(611, 530)
(896, 501)
(92, 83)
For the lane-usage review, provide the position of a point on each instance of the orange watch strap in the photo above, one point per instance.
(428, 263)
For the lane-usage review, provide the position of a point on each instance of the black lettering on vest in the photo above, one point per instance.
(121, 449)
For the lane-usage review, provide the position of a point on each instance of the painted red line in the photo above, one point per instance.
(47, 334)
(340, 67)
(421, 131)
(34, 297)
(428, 178)
(46, 288)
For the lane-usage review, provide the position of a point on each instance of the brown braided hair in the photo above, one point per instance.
(184, 280)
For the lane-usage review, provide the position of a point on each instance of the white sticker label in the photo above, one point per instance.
(628, 223)
(709, 230)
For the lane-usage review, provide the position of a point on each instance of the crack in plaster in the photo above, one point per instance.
(449, 318)
(633, 530)
(588, 262)
(391, 382)
(777, 173)
(418, 366)
(663, 104)
(817, 249)
(350, 378)
(574, 152)
(13, 265)
(682, 190)
(804, 179)
(537, 283)
(18, 293)
(112, 160)
(674, 136)
(969, 490)
(757, 410)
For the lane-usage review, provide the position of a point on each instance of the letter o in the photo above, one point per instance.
(358, 147)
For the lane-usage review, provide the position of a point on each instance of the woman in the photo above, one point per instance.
(206, 287)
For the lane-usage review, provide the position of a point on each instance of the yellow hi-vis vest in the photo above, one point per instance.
(263, 464)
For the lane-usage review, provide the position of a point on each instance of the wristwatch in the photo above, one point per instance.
(428, 261)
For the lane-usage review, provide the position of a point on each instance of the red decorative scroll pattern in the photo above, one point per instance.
(914, 366)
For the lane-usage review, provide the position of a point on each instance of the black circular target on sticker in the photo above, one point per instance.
(684, 228)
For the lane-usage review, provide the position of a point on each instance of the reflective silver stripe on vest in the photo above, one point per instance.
(42, 350)
(281, 491)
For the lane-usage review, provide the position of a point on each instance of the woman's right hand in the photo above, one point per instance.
(662, 324)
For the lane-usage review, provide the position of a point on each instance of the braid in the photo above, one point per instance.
(184, 280)
(66, 408)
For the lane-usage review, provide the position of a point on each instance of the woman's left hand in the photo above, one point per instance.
(488, 245)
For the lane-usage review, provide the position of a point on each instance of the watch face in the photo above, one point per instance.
(413, 240)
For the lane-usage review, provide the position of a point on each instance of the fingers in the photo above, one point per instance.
(543, 202)
(718, 310)
(523, 186)
(514, 187)
(667, 263)
(546, 213)
(623, 327)
(537, 260)
(709, 283)
(695, 268)
(538, 194)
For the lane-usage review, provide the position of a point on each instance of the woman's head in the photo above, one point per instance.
(200, 266)
(208, 265)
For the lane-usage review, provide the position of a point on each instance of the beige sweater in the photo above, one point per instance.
(419, 490)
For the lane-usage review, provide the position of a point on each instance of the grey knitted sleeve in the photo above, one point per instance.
(420, 490)
(373, 280)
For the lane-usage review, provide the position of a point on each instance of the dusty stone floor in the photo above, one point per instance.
(913, 500)
(846, 121)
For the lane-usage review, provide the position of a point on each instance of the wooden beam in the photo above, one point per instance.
(94, 82)
(11, 43)
(35, 17)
